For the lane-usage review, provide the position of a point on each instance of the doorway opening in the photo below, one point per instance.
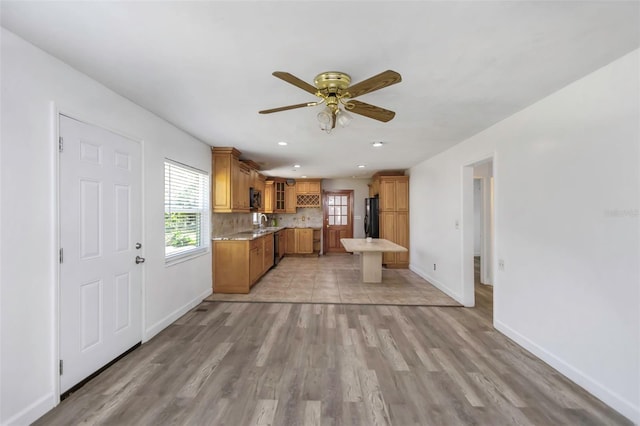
(478, 229)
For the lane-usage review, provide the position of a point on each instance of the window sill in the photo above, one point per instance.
(184, 257)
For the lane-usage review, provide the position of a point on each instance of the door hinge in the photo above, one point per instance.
(61, 367)
(60, 144)
(61, 255)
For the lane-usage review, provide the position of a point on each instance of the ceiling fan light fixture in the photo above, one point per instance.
(333, 88)
(324, 116)
(344, 118)
(326, 127)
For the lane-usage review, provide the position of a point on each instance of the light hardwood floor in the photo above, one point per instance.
(323, 364)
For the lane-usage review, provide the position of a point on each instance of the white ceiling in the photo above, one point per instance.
(206, 67)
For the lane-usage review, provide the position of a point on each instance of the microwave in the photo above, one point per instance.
(255, 198)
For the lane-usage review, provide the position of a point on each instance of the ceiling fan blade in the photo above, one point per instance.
(284, 108)
(292, 79)
(377, 82)
(371, 111)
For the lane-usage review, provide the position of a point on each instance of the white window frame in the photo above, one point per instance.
(202, 209)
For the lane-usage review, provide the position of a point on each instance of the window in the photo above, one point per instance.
(186, 211)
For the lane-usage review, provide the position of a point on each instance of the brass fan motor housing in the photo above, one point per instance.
(332, 81)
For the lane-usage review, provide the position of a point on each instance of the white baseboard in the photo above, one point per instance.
(173, 316)
(437, 284)
(606, 395)
(33, 412)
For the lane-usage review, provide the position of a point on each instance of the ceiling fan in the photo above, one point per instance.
(333, 88)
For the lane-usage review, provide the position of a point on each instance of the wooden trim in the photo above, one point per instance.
(325, 213)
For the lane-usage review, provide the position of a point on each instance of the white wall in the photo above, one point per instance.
(33, 81)
(567, 226)
(360, 189)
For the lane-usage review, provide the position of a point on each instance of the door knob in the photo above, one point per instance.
(138, 246)
(139, 259)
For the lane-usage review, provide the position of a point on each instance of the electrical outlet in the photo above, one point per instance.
(500, 265)
(457, 224)
(434, 266)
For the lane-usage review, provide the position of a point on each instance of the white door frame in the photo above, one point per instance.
(467, 234)
(56, 110)
(486, 249)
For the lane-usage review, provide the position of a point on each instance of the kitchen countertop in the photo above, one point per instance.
(252, 234)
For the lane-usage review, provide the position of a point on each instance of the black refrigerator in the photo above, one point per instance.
(371, 223)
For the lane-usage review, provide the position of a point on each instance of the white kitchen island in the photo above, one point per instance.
(370, 255)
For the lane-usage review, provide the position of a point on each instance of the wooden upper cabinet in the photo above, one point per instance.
(308, 193)
(268, 196)
(230, 187)
(387, 195)
(310, 186)
(240, 186)
(259, 185)
(290, 199)
(232, 179)
(278, 202)
(222, 176)
(402, 194)
(394, 193)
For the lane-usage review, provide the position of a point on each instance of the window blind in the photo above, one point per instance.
(186, 209)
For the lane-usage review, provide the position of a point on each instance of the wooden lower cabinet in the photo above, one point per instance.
(267, 258)
(290, 238)
(282, 243)
(304, 240)
(299, 240)
(231, 273)
(394, 226)
(237, 265)
(256, 260)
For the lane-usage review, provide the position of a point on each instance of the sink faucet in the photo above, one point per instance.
(262, 216)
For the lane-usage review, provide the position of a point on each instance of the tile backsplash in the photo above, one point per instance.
(303, 218)
(230, 223)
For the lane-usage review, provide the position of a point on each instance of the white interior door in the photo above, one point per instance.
(100, 226)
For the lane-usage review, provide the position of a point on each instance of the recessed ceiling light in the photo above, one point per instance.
(361, 166)
(296, 165)
(282, 143)
(377, 144)
(304, 176)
